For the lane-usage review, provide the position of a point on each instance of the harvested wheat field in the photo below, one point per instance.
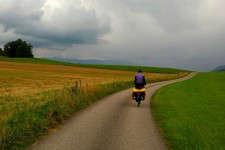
(23, 78)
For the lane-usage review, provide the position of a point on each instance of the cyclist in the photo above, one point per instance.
(139, 82)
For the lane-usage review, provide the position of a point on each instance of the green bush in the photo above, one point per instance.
(2, 52)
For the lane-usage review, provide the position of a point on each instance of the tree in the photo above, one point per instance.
(1, 52)
(18, 48)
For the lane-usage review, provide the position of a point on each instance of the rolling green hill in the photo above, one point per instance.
(98, 66)
(191, 113)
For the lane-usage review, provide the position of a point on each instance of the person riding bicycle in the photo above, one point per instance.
(140, 82)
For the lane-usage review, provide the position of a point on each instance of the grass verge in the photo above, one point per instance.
(191, 113)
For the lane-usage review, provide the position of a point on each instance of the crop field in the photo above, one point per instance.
(98, 66)
(54, 91)
(191, 113)
(23, 78)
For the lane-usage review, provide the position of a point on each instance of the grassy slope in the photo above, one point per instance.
(112, 67)
(191, 113)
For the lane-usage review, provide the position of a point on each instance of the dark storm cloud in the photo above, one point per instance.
(45, 24)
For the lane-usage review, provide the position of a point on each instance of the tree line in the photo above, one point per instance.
(18, 48)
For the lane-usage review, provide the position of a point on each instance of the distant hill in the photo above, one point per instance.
(117, 65)
(220, 68)
(98, 64)
(93, 61)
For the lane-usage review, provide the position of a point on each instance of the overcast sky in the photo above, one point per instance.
(170, 33)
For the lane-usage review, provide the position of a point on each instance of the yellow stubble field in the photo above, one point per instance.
(25, 79)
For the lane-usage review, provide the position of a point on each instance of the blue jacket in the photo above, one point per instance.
(139, 79)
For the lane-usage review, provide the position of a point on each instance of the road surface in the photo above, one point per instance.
(114, 123)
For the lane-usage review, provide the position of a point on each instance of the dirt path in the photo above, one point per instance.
(114, 123)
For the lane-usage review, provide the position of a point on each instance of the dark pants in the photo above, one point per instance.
(139, 86)
(134, 94)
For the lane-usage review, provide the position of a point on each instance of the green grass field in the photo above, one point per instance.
(191, 114)
(111, 67)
